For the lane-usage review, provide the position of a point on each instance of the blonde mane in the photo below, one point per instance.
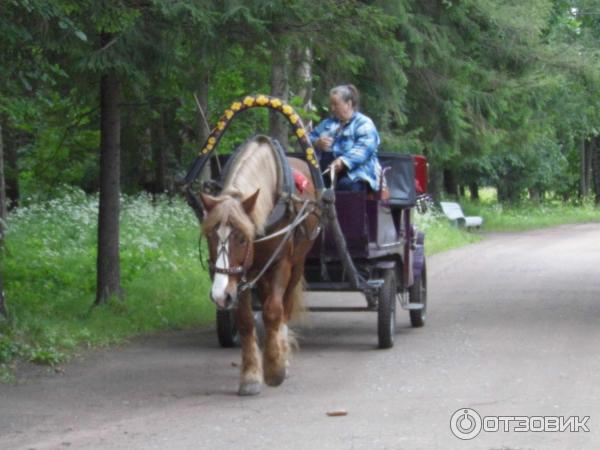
(255, 167)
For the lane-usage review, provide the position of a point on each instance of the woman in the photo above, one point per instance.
(347, 142)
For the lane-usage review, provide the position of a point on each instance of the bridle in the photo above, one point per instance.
(235, 270)
(286, 234)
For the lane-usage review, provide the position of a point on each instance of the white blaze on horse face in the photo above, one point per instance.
(221, 280)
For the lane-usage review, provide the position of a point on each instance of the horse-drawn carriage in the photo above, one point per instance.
(338, 241)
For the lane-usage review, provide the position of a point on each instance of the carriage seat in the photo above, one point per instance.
(399, 177)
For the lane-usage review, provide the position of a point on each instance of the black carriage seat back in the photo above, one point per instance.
(285, 182)
(399, 172)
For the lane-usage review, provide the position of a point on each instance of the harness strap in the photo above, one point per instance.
(299, 218)
(291, 225)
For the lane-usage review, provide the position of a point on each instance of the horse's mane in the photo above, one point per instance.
(255, 166)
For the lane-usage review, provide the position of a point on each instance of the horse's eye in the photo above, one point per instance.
(241, 239)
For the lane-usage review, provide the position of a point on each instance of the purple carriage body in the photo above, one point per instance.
(379, 233)
(385, 247)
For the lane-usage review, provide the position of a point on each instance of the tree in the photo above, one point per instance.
(108, 265)
(3, 217)
(3, 203)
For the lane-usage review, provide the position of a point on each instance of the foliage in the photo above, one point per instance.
(49, 259)
(483, 88)
(440, 234)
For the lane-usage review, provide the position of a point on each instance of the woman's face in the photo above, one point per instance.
(340, 109)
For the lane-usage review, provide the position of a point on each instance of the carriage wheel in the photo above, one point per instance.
(386, 313)
(226, 330)
(418, 294)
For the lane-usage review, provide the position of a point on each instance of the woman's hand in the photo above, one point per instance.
(324, 143)
(337, 165)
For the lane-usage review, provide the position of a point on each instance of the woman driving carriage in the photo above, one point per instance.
(347, 142)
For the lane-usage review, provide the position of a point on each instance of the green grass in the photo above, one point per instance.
(527, 216)
(440, 234)
(49, 265)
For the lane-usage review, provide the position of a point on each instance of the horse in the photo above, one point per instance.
(232, 222)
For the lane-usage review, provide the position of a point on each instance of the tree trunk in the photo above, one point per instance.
(474, 191)
(534, 195)
(278, 126)
(450, 183)
(11, 173)
(507, 193)
(159, 154)
(595, 158)
(303, 62)
(3, 215)
(3, 311)
(108, 267)
(3, 204)
(436, 181)
(584, 169)
(589, 181)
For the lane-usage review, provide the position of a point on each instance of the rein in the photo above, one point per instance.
(290, 226)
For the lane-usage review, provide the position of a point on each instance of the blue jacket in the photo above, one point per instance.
(356, 144)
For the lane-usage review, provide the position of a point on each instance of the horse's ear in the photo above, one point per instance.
(208, 202)
(249, 203)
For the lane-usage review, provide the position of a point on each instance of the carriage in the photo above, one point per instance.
(366, 242)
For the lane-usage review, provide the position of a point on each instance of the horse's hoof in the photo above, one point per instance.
(249, 388)
(277, 378)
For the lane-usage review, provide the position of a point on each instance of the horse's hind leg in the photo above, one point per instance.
(251, 373)
(273, 316)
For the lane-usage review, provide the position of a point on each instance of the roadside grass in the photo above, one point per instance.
(528, 216)
(441, 235)
(49, 263)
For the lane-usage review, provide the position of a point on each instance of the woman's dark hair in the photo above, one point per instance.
(347, 92)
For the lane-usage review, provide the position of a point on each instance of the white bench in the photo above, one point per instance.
(454, 212)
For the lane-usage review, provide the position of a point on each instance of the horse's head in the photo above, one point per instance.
(230, 233)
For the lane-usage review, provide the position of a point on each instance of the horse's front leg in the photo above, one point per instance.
(275, 351)
(252, 372)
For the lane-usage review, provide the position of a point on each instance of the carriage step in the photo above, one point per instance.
(413, 306)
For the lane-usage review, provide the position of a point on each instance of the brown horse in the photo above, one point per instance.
(232, 222)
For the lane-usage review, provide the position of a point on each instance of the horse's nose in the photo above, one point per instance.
(227, 301)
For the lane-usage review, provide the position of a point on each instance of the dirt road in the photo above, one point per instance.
(513, 330)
